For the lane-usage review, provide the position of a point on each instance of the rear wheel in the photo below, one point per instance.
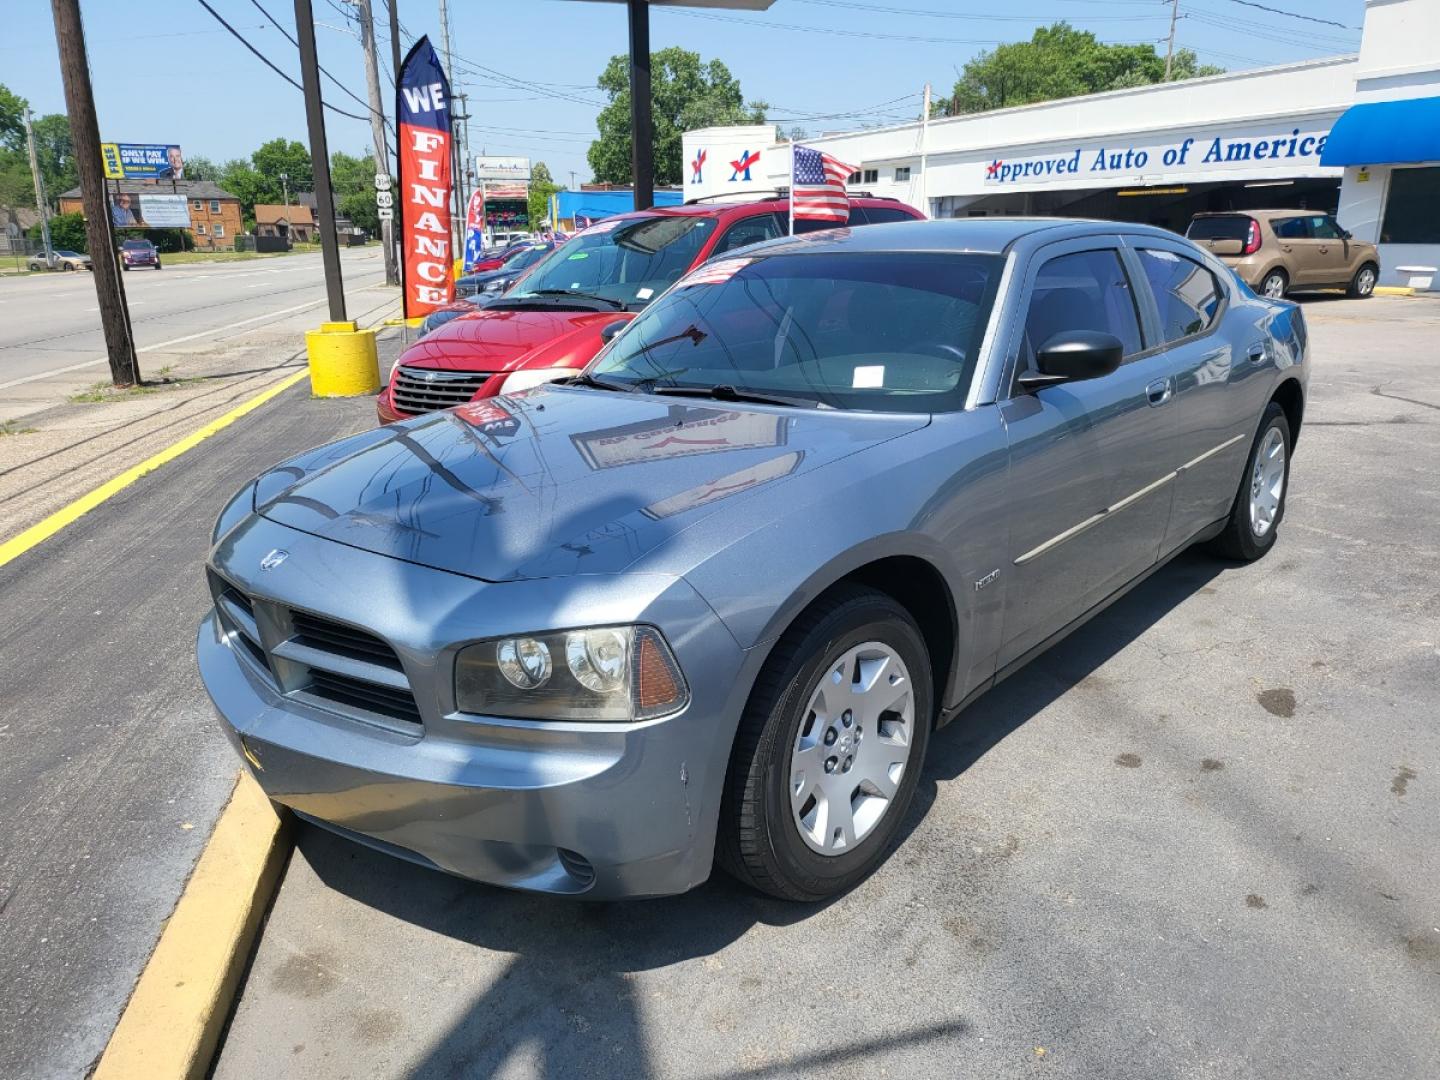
(829, 749)
(1260, 503)
(1274, 284)
(1362, 285)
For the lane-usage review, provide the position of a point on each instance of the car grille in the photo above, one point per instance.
(423, 390)
(313, 659)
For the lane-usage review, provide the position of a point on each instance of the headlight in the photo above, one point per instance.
(524, 379)
(495, 286)
(611, 673)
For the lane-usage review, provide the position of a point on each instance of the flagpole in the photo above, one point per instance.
(792, 185)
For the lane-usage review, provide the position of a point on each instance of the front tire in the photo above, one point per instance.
(1274, 285)
(829, 749)
(1260, 503)
(1362, 285)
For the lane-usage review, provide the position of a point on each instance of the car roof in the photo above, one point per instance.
(1267, 214)
(726, 210)
(992, 235)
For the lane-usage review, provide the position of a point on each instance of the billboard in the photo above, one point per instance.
(422, 112)
(142, 161)
(132, 211)
(504, 170)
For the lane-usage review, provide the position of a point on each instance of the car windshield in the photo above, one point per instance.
(525, 257)
(1225, 227)
(887, 332)
(137, 245)
(68, 254)
(627, 260)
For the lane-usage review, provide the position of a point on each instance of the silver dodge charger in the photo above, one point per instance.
(708, 600)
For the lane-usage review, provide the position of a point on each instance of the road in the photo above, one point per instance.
(1198, 839)
(50, 323)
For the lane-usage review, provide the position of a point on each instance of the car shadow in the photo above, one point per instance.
(565, 997)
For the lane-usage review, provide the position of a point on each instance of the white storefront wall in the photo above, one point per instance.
(1399, 58)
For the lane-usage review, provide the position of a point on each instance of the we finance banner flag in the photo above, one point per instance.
(422, 107)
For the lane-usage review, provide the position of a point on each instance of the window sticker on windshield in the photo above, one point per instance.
(715, 273)
(644, 294)
(868, 377)
(577, 255)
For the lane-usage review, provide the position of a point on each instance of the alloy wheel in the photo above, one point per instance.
(1267, 482)
(852, 748)
(1365, 281)
(1274, 287)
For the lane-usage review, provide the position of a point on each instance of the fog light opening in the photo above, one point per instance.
(577, 866)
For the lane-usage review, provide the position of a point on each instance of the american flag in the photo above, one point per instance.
(818, 189)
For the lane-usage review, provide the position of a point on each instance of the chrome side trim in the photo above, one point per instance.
(1209, 453)
(1128, 500)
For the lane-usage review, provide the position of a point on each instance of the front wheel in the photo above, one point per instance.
(829, 750)
(157, 265)
(1362, 285)
(1274, 284)
(1260, 503)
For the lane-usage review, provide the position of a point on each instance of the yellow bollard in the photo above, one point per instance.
(343, 360)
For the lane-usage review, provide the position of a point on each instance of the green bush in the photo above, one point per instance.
(66, 231)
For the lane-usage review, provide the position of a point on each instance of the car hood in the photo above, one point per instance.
(488, 339)
(555, 481)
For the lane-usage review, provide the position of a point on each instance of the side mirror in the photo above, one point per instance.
(1073, 355)
(1227, 247)
(609, 330)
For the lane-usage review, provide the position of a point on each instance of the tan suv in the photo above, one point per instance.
(1279, 251)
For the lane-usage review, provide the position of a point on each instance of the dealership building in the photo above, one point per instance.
(1358, 135)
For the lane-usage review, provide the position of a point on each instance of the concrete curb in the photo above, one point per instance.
(1394, 290)
(172, 1023)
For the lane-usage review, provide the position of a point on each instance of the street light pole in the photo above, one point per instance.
(642, 138)
(319, 158)
(85, 133)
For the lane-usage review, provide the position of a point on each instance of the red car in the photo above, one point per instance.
(555, 320)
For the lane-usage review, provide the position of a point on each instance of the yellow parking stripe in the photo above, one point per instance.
(43, 530)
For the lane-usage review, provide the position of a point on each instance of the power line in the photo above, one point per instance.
(1294, 14)
(266, 61)
(290, 37)
(856, 5)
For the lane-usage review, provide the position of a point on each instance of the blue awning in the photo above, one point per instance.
(1385, 133)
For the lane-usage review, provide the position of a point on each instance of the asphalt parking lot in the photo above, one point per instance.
(1200, 838)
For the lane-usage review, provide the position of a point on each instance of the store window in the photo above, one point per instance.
(1412, 207)
(902, 173)
(872, 176)
(1186, 293)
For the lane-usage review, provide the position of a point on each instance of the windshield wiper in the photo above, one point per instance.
(585, 379)
(577, 295)
(726, 392)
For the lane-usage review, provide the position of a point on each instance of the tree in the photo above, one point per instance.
(542, 186)
(201, 168)
(55, 151)
(685, 92)
(66, 231)
(353, 181)
(12, 119)
(1059, 62)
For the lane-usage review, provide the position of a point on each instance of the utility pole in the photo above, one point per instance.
(377, 131)
(285, 193)
(1170, 44)
(395, 38)
(457, 217)
(319, 158)
(40, 202)
(925, 155)
(85, 132)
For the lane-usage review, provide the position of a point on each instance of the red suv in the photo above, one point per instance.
(554, 320)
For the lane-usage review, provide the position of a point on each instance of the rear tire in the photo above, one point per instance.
(760, 838)
(1274, 285)
(1264, 486)
(1362, 285)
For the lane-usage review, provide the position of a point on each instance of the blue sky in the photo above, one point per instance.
(165, 71)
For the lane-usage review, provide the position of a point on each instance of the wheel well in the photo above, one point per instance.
(1289, 397)
(921, 589)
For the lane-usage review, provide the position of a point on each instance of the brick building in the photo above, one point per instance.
(215, 219)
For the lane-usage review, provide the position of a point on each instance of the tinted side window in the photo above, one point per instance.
(1084, 291)
(1186, 293)
(1322, 228)
(881, 215)
(750, 231)
(1289, 228)
(804, 226)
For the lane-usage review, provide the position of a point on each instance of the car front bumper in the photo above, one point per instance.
(599, 810)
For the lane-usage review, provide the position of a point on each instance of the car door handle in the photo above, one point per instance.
(1257, 353)
(1325, 250)
(1160, 391)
